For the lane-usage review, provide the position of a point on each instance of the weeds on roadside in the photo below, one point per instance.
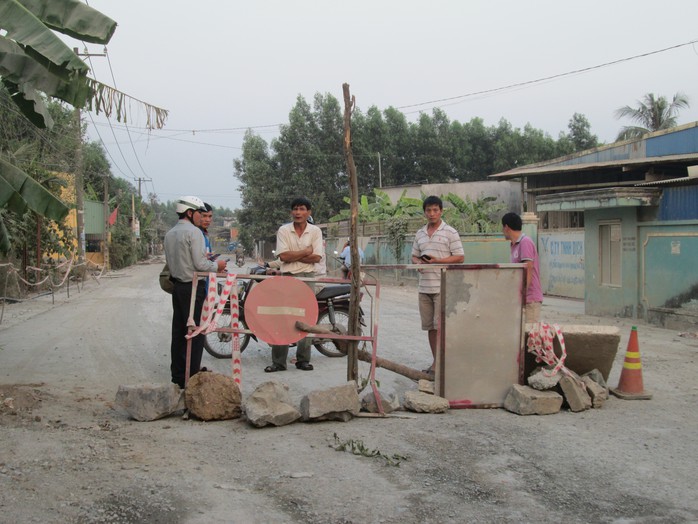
(357, 447)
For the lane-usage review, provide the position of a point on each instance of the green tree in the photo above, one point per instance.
(580, 133)
(653, 113)
(264, 193)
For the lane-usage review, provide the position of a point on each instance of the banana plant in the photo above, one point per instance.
(34, 60)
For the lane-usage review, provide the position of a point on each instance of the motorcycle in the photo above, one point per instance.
(333, 313)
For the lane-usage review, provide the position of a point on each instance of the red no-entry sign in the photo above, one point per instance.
(275, 305)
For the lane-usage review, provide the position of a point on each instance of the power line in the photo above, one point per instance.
(127, 131)
(547, 78)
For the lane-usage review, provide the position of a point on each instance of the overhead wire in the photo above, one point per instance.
(547, 78)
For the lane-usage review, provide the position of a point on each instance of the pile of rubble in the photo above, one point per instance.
(546, 392)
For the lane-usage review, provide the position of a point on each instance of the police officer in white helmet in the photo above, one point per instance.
(185, 252)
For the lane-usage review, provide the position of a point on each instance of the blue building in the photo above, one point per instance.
(618, 225)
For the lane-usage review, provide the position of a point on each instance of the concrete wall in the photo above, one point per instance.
(604, 299)
(506, 192)
(479, 249)
(668, 258)
(561, 255)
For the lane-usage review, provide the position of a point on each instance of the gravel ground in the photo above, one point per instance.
(68, 456)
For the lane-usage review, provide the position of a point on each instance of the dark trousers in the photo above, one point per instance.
(181, 298)
(279, 354)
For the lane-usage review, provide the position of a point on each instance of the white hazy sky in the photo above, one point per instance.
(220, 67)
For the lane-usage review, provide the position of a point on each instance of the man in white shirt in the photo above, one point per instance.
(299, 247)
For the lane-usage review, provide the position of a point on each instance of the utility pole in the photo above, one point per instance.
(79, 183)
(105, 238)
(79, 199)
(380, 174)
(139, 185)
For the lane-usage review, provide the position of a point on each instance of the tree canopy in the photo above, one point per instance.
(307, 157)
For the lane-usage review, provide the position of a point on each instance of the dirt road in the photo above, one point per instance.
(67, 456)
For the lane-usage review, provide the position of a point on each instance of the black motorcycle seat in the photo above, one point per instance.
(332, 291)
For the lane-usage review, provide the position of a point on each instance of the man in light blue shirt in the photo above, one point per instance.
(345, 257)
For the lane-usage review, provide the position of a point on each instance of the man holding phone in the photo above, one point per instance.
(435, 243)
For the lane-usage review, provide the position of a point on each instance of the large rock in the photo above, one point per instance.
(575, 394)
(270, 404)
(337, 403)
(525, 400)
(420, 402)
(212, 396)
(145, 402)
(389, 401)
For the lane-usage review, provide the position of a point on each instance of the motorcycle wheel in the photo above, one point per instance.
(219, 344)
(327, 346)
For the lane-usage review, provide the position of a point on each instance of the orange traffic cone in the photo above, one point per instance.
(630, 385)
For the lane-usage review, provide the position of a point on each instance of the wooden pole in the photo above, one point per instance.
(365, 356)
(354, 326)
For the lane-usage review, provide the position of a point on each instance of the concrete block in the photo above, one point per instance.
(525, 400)
(588, 348)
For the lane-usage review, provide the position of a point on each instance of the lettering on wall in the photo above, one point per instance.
(562, 263)
(629, 244)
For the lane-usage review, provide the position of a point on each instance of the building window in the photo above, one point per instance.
(609, 254)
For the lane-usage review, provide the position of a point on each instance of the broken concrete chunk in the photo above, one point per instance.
(213, 396)
(598, 394)
(270, 404)
(337, 403)
(420, 402)
(145, 402)
(389, 401)
(541, 380)
(575, 394)
(426, 386)
(524, 400)
(597, 377)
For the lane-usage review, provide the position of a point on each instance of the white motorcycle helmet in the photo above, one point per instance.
(189, 202)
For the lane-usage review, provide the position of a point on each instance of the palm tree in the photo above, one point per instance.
(653, 114)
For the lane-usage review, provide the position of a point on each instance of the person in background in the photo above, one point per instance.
(206, 220)
(185, 253)
(299, 247)
(523, 250)
(320, 267)
(435, 243)
(345, 257)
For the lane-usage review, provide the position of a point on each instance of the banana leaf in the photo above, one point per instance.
(73, 18)
(23, 66)
(26, 29)
(19, 192)
(30, 103)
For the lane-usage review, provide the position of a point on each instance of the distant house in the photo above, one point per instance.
(618, 225)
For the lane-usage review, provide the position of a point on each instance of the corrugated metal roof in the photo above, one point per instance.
(609, 165)
(685, 180)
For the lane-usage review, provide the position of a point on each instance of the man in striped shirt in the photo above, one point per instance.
(435, 243)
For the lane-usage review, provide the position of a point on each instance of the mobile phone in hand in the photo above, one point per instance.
(425, 257)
